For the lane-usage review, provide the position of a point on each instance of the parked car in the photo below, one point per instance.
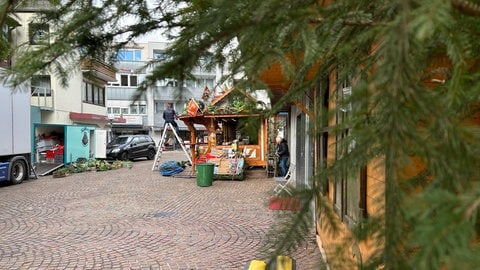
(127, 147)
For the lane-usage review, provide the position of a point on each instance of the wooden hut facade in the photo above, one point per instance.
(234, 128)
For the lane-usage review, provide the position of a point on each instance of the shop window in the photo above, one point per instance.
(243, 129)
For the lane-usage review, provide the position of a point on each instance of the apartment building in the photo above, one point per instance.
(68, 122)
(144, 116)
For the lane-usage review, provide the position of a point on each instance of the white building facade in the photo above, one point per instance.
(145, 115)
(74, 117)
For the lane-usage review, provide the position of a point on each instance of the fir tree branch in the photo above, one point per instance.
(4, 13)
(466, 7)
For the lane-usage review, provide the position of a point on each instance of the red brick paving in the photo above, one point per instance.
(137, 219)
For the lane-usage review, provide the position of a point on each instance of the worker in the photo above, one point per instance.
(169, 116)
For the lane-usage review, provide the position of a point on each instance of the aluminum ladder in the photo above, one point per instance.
(158, 156)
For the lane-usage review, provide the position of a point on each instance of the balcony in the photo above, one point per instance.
(42, 98)
(96, 69)
(133, 67)
(34, 5)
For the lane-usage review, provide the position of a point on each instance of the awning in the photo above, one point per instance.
(198, 127)
(229, 115)
(95, 117)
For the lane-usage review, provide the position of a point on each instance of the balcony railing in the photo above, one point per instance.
(98, 69)
(43, 98)
(134, 67)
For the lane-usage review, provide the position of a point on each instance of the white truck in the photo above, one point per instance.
(15, 135)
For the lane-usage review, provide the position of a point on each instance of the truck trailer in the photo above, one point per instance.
(15, 134)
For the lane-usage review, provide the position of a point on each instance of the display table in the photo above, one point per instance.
(228, 168)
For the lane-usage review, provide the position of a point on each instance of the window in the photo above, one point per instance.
(171, 82)
(117, 110)
(138, 109)
(160, 55)
(128, 80)
(129, 55)
(4, 32)
(159, 107)
(133, 80)
(101, 96)
(190, 84)
(93, 94)
(124, 80)
(201, 83)
(38, 33)
(350, 191)
(41, 86)
(142, 109)
(204, 63)
(133, 109)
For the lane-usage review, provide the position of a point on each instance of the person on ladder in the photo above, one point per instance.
(169, 116)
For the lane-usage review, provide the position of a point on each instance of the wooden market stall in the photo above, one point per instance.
(235, 137)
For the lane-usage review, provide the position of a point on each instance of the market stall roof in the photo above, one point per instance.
(230, 115)
(224, 110)
(213, 115)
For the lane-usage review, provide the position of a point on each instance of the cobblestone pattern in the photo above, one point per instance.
(137, 219)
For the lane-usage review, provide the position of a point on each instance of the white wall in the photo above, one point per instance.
(66, 99)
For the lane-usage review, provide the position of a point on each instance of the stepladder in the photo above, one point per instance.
(165, 136)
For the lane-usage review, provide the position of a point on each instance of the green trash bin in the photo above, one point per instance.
(204, 174)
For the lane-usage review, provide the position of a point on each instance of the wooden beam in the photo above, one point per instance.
(304, 109)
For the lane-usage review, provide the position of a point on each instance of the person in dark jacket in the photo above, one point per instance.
(283, 154)
(169, 116)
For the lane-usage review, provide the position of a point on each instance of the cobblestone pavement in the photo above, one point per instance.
(137, 219)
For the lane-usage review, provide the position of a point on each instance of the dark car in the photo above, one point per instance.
(126, 147)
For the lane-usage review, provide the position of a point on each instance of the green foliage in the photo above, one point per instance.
(382, 48)
(5, 50)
